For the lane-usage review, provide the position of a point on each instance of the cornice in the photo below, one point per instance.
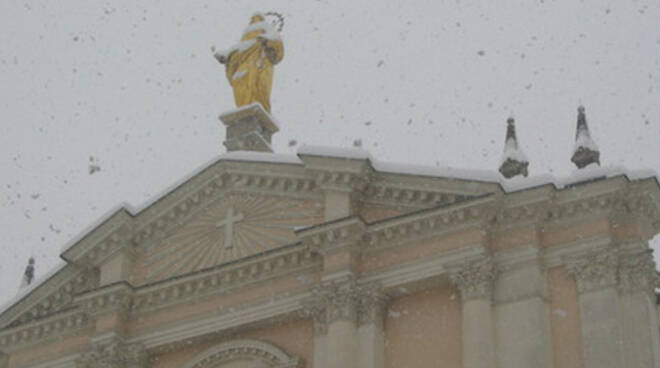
(56, 326)
(388, 194)
(117, 297)
(426, 223)
(224, 279)
(43, 302)
(333, 235)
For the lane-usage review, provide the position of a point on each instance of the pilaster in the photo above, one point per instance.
(371, 335)
(315, 310)
(475, 280)
(522, 315)
(638, 317)
(340, 298)
(596, 277)
(117, 267)
(108, 307)
(342, 180)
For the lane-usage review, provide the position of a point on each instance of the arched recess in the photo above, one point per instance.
(254, 353)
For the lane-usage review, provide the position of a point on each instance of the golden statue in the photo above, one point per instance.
(249, 64)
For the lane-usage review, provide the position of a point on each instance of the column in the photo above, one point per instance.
(522, 316)
(341, 341)
(315, 309)
(596, 279)
(109, 307)
(638, 317)
(371, 334)
(475, 282)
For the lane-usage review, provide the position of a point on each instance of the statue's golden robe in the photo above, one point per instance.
(249, 68)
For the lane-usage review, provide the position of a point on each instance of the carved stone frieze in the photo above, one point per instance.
(259, 353)
(113, 354)
(333, 235)
(60, 299)
(637, 272)
(474, 279)
(224, 279)
(115, 298)
(595, 271)
(57, 325)
(393, 232)
(384, 194)
(342, 181)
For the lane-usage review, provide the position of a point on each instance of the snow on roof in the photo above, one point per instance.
(508, 185)
(587, 173)
(23, 292)
(350, 153)
(444, 172)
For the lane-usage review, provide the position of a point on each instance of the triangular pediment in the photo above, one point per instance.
(235, 225)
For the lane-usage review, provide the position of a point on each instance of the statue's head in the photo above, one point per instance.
(256, 18)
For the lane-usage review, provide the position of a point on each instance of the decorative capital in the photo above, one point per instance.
(595, 271)
(474, 279)
(340, 299)
(637, 273)
(113, 354)
(314, 309)
(371, 304)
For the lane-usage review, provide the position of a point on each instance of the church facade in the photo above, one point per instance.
(329, 259)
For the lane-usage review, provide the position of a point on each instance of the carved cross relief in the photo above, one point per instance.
(228, 226)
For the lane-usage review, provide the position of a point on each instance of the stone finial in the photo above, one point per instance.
(28, 275)
(585, 151)
(514, 161)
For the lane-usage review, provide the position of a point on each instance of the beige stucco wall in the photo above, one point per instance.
(513, 238)
(575, 231)
(419, 250)
(423, 330)
(295, 337)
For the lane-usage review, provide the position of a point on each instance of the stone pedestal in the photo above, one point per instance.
(249, 128)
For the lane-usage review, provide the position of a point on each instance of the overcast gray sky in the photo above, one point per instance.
(132, 86)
